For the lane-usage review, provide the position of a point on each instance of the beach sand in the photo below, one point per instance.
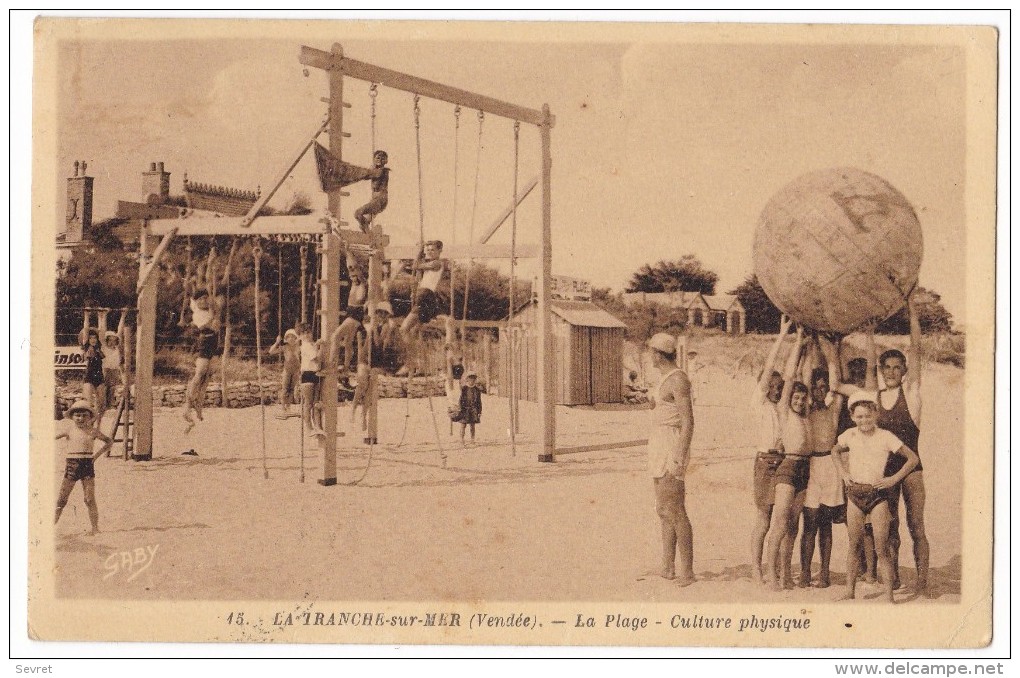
(490, 526)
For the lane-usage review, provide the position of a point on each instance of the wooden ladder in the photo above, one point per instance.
(125, 419)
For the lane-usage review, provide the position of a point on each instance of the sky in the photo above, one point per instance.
(660, 148)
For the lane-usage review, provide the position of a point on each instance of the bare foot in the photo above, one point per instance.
(870, 579)
(804, 582)
(847, 595)
(686, 580)
(757, 577)
(774, 585)
(667, 573)
(822, 583)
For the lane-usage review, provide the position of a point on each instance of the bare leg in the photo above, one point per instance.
(868, 551)
(807, 544)
(793, 525)
(894, 532)
(855, 533)
(89, 486)
(307, 393)
(66, 485)
(880, 521)
(778, 530)
(472, 432)
(824, 545)
(761, 528)
(913, 500)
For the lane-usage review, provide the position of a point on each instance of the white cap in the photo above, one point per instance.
(861, 396)
(289, 333)
(385, 307)
(663, 343)
(79, 405)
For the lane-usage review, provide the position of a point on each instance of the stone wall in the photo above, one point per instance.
(246, 393)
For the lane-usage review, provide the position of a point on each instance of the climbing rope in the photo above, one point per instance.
(453, 214)
(304, 284)
(471, 226)
(373, 92)
(514, 414)
(257, 254)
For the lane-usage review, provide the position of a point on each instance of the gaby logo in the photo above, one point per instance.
(130, 563)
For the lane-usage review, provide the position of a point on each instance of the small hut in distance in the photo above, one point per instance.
(588, 353)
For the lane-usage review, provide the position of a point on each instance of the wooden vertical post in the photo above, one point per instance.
(146, 355)
(546, 350)
(129, 421)
(332, 261)
(487, 358)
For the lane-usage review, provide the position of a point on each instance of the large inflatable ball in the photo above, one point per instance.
(837, 248)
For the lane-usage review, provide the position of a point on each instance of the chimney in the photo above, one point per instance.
(78, 221)
(156, 184)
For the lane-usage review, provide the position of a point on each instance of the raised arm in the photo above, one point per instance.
(789, 372)
(871, 375)
(770, 362)
(830, 352)
(914, 358)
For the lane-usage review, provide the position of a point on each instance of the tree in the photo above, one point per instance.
(932, 315)
(762, 314)
(687, 274)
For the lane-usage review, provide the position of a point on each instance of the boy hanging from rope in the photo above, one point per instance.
(380, 176)
(205, 316)
(428, 269)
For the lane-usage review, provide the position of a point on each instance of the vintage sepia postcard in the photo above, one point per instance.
(479, 333)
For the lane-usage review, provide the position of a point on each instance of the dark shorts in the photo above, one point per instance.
(205, 344)
(427, 304)
(309, 377)
(80, 468)
(94, 377)
(866, 497)
(765, 465)
(794, 471)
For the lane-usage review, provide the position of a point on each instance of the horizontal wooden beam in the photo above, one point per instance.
(282, 225)
(316, 58)
(465, 252)
(477, 324)
(600, 447)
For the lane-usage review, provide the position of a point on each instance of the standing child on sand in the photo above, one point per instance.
(824, 500)
(861, 455)
(470, 405)
(454, 391)
(769, 448)
(791, 476)
(291, 375)
(311, 364)
(92, 385)
(81, 434)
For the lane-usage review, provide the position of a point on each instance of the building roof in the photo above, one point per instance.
(671, 299)
(578, 313)
(584, 314)
(722, 302)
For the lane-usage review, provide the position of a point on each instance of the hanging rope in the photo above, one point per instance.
(514, 414)
(257, 254)
(373, 92)
(279, 290)
(453, 215)
(317, 283)
(189, 272)
(304, 284)
(471, 226)
(421, 243)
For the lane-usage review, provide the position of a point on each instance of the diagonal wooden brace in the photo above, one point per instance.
(143, 279)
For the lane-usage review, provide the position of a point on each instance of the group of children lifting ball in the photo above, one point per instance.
(813, 454)
(832, 463)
